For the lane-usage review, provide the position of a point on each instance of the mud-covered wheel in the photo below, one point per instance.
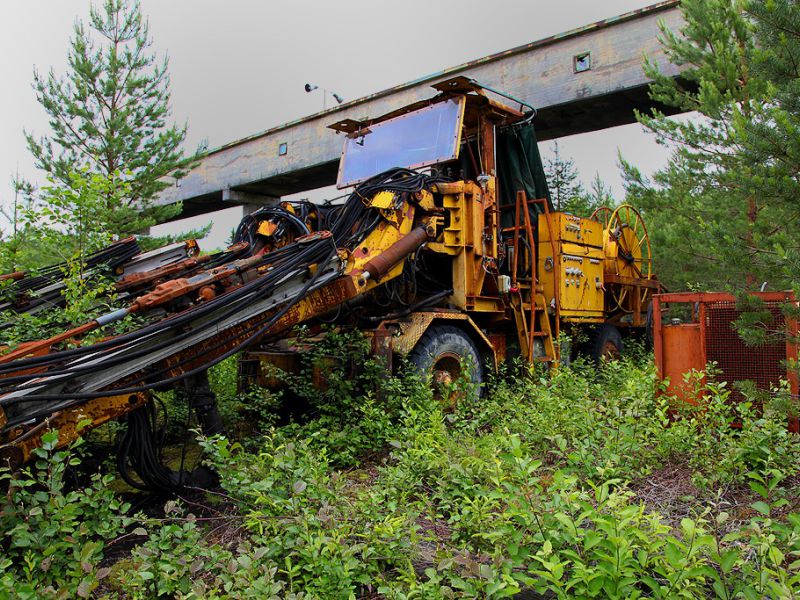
(606, 343)
(445, 351)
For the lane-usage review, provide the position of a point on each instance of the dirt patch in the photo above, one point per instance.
(669, 491)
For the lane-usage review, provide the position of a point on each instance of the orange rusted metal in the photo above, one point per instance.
(15, 276)
(206, 293)
(18, 444)
(138, 280)
(378, 267)
(175, 288)
(382, 345)
(706, 335)
(318, 302)
(43, 347)
(681, 351)
(498, 343)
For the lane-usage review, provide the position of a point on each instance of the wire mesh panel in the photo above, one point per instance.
(763, 364)
(693, 329)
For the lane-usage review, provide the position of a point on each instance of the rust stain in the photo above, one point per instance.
(19, 444)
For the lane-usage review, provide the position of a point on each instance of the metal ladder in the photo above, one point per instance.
(530, 311)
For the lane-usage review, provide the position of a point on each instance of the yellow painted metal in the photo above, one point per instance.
(576, 268)
(424, 199)
(267, 228)
(548, 344)
(627, 244)
(383, 236)
(628, 263)
(581, 282)
(469, 237)
(381, 200)
(571, 228)
(19, 444)
(410, 329)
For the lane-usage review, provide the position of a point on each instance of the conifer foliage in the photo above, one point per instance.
(566, 189)
(109, 116)
(726, 206)
(563, 179)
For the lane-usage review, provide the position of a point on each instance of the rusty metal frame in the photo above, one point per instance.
(701, 300)
(526, 325)
(18, 445)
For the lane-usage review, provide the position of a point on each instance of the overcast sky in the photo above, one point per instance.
(239, 66)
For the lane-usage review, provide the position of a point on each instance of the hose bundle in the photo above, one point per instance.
(35, 387)
(44, 288)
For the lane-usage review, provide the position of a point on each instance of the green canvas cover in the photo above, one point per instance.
(519, 167)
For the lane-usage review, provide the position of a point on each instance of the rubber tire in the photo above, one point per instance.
(441, 339)
(603, 335)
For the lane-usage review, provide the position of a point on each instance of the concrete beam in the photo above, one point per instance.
(248, 198)
(583, 80)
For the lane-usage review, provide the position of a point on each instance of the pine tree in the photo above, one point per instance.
(599, 194)
(563, 179)
(109, 116)
(726, 204)
(567, 191)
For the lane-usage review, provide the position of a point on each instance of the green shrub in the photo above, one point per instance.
(533, 485)
(55, 539)
(176, 562)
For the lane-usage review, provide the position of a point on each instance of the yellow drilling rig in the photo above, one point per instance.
(446, 251)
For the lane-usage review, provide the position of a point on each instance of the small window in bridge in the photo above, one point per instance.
(582, 62)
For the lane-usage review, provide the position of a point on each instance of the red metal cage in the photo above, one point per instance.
(691, 330)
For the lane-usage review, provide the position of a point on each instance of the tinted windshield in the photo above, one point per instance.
(424, 137)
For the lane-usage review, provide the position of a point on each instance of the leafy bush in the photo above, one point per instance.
(176, 562)
(355, 409)
(535, 485)
(55, 539)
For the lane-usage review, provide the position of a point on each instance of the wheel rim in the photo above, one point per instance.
(610, 351)
(446, 370)
(631, 255)
(602, 215)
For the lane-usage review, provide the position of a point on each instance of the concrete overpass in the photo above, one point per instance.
(583, 80)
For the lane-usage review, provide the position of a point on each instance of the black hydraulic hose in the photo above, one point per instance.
(173, 321)
(353, 211)
(140, 436)
(408, 310)
(232, 306)
(112, 256)
(347, 220)
(221, 340)
(247, 228)
(352, 223)
(79, 397)
(121, 356)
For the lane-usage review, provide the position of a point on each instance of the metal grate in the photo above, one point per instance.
(764, 364)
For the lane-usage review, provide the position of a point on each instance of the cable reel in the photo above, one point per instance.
(626, 246)
(602, 215)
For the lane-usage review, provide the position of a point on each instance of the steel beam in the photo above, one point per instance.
(583, 80)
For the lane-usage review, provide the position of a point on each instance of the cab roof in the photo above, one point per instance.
(478, 104)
